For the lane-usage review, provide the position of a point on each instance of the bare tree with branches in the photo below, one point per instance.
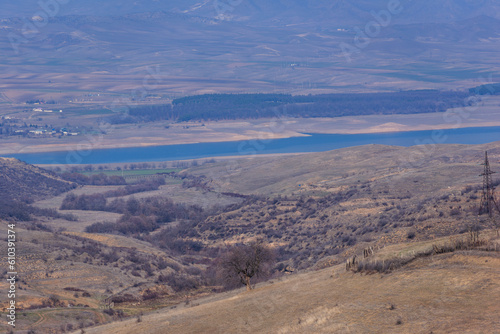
(244, 261)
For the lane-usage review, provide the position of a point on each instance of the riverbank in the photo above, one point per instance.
(309, 143)
(160, 134)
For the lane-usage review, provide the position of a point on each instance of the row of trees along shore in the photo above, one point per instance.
(253, 106)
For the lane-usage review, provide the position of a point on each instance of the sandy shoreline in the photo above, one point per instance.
(144, 135)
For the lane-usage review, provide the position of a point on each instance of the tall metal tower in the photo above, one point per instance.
(488, 202)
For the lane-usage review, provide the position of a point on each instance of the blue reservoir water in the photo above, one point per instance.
(311, 143)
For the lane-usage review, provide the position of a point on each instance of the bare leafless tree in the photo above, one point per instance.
(244, 261)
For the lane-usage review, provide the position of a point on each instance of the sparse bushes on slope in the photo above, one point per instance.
(146, 215)
(15, 210)
(101, 227)
(94, 202)
(22, 184)
(97, 202)
(390, 264)
(179, 282)
(95, 180)
(148, 185)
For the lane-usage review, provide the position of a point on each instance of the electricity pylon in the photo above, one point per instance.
(488, 202)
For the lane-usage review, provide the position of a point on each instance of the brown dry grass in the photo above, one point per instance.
(85, 218)
(448, 293)
(110, 240)
(48, 262)
(419, 170)
(176, 193)
(189, 196)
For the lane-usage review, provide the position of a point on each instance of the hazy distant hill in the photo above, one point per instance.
(248, 46)
(318, 12)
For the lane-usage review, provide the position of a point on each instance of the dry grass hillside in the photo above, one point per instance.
(20, 181)
(441, 293)
(21, 184)
(421, 169)
(316, 209)
(67, 279)
(321, 204)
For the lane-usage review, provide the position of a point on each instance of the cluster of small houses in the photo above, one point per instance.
(45, 110)
(42, 132)
(53, 132)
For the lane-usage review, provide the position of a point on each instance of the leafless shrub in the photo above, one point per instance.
(242, 262)
(148, 294)
(179, 282)
(124, 298)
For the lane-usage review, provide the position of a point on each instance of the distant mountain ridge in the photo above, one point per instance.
(250, 46)
(321, 12)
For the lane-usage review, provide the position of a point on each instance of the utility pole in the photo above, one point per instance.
(488, 202)
(488, 195)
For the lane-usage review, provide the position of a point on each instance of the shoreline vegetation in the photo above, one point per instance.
(228, 131)
(262, 146)
(271, 120)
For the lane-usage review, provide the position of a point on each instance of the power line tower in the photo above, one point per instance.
(488, 202)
